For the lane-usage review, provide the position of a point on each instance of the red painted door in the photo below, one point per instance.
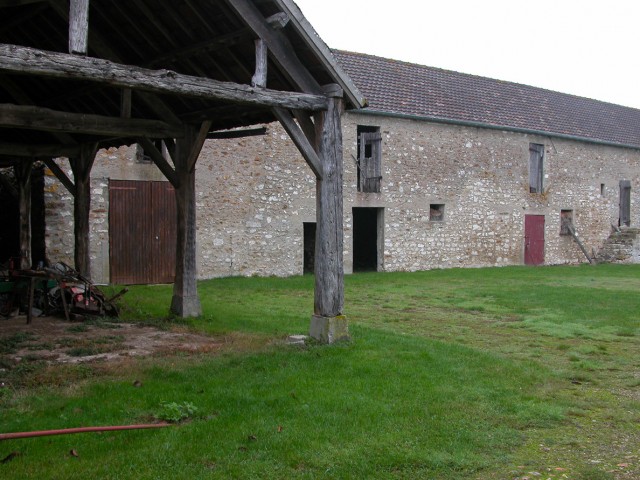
(533, 239)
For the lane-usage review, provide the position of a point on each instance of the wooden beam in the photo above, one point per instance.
(31, 151)
(259, 78)
(60, 175)
(185, 301)
(161, 162)
(81, 167)
(279, 46)
(24, 60)
(23, 177)
(329, 271)
(44, 119)
(300, 140)
(241, 133)
(199, 135)
(78, 26)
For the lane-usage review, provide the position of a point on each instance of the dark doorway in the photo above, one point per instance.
(533, 239)
(309, 247)
(368, 228)
(142, 232)
(625, 203)
(9, 218)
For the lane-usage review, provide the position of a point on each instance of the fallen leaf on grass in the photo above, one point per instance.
(74, 453)
(279, 428)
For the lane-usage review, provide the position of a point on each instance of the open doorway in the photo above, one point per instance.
(368, 239)
(309, 247)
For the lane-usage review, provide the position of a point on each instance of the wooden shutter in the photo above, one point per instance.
(370, 166)
(536, 156)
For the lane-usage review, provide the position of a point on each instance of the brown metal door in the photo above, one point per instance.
(533, 239)
(142, 232)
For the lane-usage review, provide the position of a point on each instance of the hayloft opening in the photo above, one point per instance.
(566, 222)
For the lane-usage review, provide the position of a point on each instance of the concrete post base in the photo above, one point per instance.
(329, 329)
(186, 306)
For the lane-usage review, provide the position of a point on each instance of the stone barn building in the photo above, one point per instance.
(441, 170)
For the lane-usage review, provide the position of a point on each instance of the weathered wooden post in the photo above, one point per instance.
(81, 167)
(328, 323)
(185, 301)
(22, 171)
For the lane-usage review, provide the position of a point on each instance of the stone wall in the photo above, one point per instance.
(255, 193)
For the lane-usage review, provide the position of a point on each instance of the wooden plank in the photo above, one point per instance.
(25, 150)
(44, 119)
(24, 60)
(329, 270)
(300, 140)
(60, 175)
(78, 26)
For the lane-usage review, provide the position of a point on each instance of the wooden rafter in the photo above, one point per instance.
(279, 47)
(44, 119)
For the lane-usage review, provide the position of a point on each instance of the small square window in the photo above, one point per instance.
(436, 212)
(566, 222)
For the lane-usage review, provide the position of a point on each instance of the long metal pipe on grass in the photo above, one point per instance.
(66, 431)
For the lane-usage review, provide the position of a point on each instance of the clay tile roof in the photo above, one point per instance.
(396, 87)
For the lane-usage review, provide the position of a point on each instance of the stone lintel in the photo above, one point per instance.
(186, 306)
(329, 329)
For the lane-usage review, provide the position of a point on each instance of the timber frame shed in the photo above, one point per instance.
(80, 75)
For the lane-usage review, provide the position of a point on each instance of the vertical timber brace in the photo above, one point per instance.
(328, 323)
(185, 301)
(81, 167)
(78, 26)
(23, 176)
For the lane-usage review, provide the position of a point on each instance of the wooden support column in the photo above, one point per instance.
(328, 323)
(23, 176)
(185, 301)
(78, 26)
(81, 167)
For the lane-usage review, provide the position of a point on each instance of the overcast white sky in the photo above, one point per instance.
(585, 48)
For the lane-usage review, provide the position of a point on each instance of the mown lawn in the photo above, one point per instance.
(451, 374)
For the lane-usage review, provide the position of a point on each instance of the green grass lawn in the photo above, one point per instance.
(451, 374)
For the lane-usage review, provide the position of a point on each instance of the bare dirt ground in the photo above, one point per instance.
(55, 340)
